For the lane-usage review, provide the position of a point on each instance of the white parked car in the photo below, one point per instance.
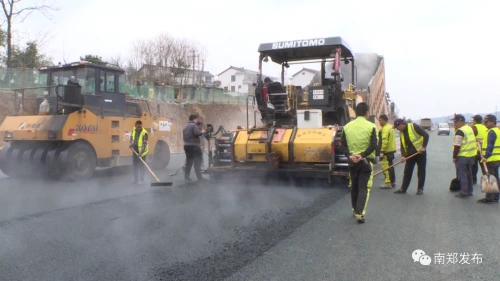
(443, 128)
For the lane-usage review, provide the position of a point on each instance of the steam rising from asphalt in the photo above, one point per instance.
(126, 237)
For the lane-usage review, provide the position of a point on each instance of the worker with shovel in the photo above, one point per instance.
(491, 154)
(414, 140)
(191, 134)
(464, 155)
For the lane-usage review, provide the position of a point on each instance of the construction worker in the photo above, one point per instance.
(387, 149)
(139, 143)
(491, 154)
(464, 155)
(192, 148)
(479, 131)
(359, 142)
(414, 140)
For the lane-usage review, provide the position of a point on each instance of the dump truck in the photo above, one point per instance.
(83, 122)
(426, 124)
(302, 128)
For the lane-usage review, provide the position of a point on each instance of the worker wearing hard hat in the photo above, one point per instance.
(387, 149)
(414, 140)
(479, 131)
(491, 154)
(464, 155)
(359, 142)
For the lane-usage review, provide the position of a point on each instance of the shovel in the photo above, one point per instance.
(489, 183)
(158, 182)
(397, 163)
(173, 174)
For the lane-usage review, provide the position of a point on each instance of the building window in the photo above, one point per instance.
(233, 78)
(208, 79)
(225, 89)
(233, 89)
(239, 86)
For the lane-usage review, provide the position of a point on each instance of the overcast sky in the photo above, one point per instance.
(441, 56)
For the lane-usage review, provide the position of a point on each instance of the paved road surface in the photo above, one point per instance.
(107, 229)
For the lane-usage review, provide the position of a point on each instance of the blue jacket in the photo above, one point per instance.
(492, 137)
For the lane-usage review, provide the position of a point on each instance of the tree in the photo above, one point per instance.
(94, 59)
(150, 58)
(11, 13)
(30, 57)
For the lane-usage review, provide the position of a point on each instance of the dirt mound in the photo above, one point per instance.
(229, 116)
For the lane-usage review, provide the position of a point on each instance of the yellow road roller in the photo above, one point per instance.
(83, 121)
(302, 127)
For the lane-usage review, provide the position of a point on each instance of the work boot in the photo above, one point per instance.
(400, 191)
(460, 195)
(420, 192)
(360, 218)
(386, 186)
(486, 201)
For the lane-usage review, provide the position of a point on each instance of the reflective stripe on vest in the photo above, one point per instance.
(139, 141)
(495, 156)
(468, 147)
(481, 131)
(416, 139)
(358, 134)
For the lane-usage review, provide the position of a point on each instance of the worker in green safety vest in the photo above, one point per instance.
(387, 150)
(359, 142)
(479, 131)
(139, 143)
(414, 140)
(464, 155)
(491, 154)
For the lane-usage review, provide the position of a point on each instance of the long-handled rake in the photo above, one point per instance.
(397, 163)
(489, 183)
(158, 182)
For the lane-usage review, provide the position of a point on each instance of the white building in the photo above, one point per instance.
(239, 80)
(305, 77)
(176, 76)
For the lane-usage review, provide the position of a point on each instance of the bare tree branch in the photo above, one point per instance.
(9, 9)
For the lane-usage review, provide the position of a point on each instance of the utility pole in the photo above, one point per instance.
(194, 61)
(202, 68)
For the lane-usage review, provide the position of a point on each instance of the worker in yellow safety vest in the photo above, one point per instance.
(359, 142)
(387, 149)
(464, 155)
(479, 131)
(139, 143)
(491, 154)
(414, 139)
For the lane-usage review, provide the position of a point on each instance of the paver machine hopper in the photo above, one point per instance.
(301, 130)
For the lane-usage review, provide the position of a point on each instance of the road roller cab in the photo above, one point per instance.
(83, 121)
